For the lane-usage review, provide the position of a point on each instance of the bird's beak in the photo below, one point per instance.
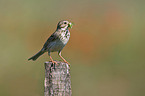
(70, 25)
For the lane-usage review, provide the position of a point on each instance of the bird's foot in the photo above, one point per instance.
(54, 62)
(67, 63)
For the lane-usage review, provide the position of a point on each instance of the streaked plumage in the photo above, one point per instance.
(56, 42)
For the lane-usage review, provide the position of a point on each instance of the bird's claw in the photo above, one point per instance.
(67, 63)
(54, 62)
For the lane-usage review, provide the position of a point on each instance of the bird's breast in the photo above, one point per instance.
(58, 44)
(64, 37)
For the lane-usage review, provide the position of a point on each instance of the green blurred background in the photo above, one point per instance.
(106, 49)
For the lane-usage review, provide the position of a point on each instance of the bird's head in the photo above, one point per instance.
(64, 25)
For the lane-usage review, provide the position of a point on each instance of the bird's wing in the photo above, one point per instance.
(52, 38)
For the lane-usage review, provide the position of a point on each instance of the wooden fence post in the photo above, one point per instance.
(57, 79)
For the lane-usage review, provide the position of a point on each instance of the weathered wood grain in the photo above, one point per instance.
(57, 79)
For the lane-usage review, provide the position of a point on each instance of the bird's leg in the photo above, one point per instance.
(54, 62)
(59, 53)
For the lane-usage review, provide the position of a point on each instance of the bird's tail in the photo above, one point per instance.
(36, 55)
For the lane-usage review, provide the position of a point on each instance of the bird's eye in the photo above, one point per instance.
(64, 22)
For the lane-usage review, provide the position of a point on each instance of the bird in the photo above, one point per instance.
(56, 42)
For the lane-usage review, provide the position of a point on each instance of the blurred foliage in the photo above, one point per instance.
(106, 49)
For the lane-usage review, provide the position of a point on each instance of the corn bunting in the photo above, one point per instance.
(56, 42)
